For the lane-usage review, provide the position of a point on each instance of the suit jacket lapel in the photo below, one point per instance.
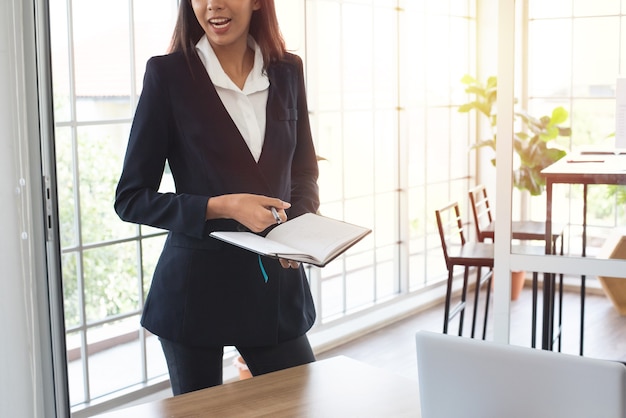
(219, 120)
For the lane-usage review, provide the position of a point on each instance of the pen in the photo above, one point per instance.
(278, 220)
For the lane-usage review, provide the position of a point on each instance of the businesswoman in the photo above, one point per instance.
(226, 109)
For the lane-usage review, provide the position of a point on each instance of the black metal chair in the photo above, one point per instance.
(523, 231)
(520, 230)
(458, 251)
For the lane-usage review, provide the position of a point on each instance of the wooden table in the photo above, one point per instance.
(336, 387)
(590, 167)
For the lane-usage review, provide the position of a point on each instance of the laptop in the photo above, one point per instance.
(463, 378)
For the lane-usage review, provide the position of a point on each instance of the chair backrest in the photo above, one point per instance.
(481, 210)
(450, 226)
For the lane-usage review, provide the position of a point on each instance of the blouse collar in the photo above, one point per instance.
(257, 79)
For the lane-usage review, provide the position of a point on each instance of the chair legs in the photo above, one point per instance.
(459, 309)
(533, 331)
(488, 297)
(480, 280)
(557, 337)
(446, 309)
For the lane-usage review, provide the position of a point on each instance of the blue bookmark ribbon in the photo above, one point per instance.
(265, 277)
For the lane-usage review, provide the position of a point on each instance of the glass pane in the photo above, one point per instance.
(291, 19)
(111, 281)
(358, 58)
(552, 8)
(418, 220)
(438, 150)
(549, 58)
(98, 147)
(387, 279)
(386, 150)
(593, 124)
(595, 69)
(330, 148)
(437, 7)
(385, 229)
(413, 39)
(331, 271)
(324, 61)
(75, 369)
(462, 8)
(416, 137)
(154, 22)
(66, 178)
(114, 356)
(385, 71)
(71, 289)
(596, 8)
(361, 212)
(359, 153)
(461, 54)
(101, 42)
(437, 61)
(459, 137)
(360, 288)
(436, 270)
(154, 357)
(417, 278)
(59, 45)
(332, 299)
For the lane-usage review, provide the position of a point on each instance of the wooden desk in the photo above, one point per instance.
(336, 387)
(599, 167)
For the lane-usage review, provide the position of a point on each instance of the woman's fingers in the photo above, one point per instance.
(289, 263)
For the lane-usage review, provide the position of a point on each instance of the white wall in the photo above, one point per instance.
(16, 378)
(22, 371)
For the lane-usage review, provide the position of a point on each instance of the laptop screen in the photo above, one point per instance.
(463, 377)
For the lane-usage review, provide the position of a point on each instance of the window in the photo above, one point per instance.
(383, 81)
(575, 54)
(99, 52)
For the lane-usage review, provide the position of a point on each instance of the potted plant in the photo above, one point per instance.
(531, 144)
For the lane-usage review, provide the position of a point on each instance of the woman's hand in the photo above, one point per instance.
(251, 210)
(289, 264)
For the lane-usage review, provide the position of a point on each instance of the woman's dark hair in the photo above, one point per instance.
(263, 28)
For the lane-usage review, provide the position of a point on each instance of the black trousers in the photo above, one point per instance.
(193, 368)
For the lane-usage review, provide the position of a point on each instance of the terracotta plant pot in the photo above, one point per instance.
(518, 278)
(242, 367)
(517, 283)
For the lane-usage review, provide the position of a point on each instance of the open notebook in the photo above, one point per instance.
(463, 378)
(308, 238)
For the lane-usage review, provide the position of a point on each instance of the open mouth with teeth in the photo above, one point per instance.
(219, 22)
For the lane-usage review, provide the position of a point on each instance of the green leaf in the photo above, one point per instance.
(466, 107)
(559, 115)
(530, 143)
(484, 108)
(468, 79)
(477, 90)
(549, 133)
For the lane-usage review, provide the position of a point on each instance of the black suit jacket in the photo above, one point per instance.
(205, 292)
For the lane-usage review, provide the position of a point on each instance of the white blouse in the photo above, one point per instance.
(247, 106)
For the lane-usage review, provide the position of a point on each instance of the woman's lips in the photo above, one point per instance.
(219, 22)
